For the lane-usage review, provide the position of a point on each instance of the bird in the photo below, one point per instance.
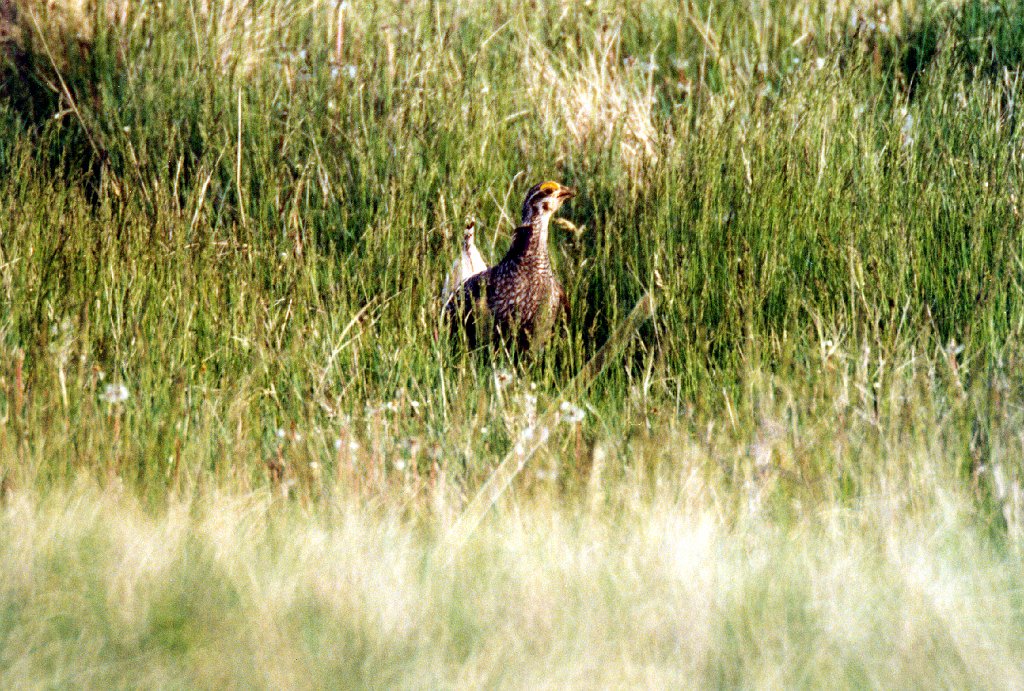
(520, 295)
(469, 263)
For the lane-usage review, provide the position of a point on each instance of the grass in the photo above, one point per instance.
(240, 590)
(803, 471)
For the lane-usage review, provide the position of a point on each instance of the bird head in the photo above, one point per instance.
(470, 230)
(544, 199)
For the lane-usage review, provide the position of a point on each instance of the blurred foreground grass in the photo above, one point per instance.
(666, 591)
(232, 440)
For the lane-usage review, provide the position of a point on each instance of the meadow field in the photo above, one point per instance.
(239, 450)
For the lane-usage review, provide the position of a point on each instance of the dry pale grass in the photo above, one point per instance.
(61, 30)
(596, 104)
(241, 34)
(246, 590)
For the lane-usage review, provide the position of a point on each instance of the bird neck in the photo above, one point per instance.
(531, 241)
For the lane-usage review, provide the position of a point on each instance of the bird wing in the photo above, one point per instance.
(462, 306)
(466, 295)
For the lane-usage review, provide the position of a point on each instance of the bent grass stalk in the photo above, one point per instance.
(536, 435)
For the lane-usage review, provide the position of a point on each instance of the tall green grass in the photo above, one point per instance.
(244, 216)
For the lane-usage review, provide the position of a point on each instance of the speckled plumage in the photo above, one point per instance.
(520, 295)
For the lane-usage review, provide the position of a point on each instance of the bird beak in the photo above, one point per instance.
(566, 193)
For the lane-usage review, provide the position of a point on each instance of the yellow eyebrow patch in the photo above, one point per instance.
(549, 187)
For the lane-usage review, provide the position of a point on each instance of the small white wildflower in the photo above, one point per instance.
(353, 445)
(819, 63)
(548, 475)
(753, 497)
(485, 89)
(314, 466)
(337, 444)
(280, 432)
(485, 430)
(907, 129)
(127, 129)
(335, 73)
(859, 110)
(351, 70)
(296, 437)
(680, 63)
(502, 378)
(571, 414)
(414, 404)
(115, 393)
(762, 67)
(762, 453)
(527, 434)
(399, 465)
(545, 433)
(649, 66)
(530, 404)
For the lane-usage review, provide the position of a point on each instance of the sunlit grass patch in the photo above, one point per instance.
(595, 101)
